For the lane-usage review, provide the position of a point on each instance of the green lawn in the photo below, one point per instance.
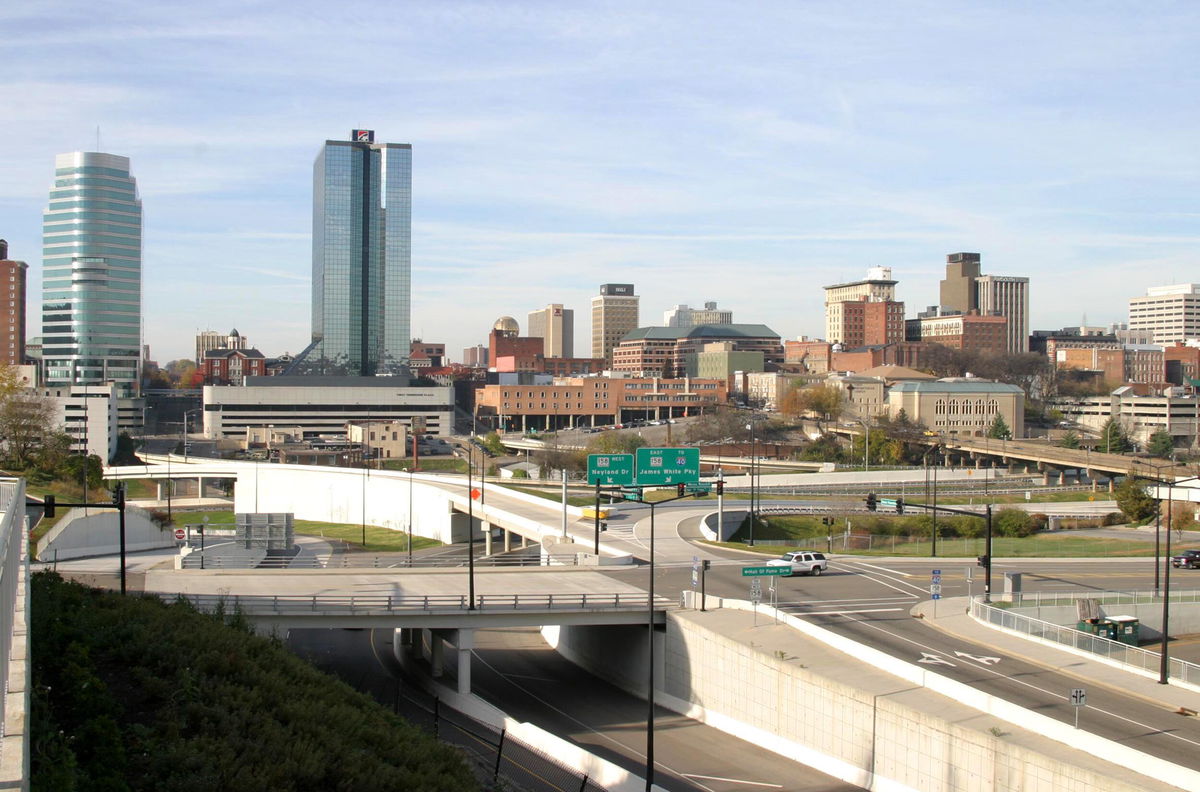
(379, 540)
(429, 464)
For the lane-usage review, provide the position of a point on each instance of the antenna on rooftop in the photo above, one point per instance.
(98, 137)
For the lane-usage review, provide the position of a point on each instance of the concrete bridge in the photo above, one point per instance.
(428, 505)
(1054, 463)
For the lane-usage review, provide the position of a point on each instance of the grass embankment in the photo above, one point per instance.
(881, 535)
(379, 540)
(134, 694)
(429, 465)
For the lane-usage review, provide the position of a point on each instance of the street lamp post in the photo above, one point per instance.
(470, 535)
(753, 516)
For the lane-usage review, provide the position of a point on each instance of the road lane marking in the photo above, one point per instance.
(1052, 694)
(977, 658)
(843, 612)
(733, 780)
(934, 659)
(883, 569)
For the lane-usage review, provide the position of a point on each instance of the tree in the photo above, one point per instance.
(73, 468)
(615, 443)
(999, 429)
(26, 418)
(1161, 444)
(1112, 438)
(1013, 522)
(1069, 440)
(493, 443)
(1133, 500)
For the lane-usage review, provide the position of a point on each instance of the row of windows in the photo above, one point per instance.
(966, 407)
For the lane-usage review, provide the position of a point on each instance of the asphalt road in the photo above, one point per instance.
(869, 602)
(517, 672)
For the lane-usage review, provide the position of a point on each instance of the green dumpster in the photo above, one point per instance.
(1101, 627)
(1125, 629)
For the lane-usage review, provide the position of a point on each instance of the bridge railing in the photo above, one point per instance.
(1129, 657)
(13, 767)
(377, 604)
(367, 561)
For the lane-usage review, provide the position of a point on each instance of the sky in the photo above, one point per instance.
(747, 153)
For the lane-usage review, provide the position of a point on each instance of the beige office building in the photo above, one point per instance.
(614, 313)
(959, 406)
(555, 325)
(1168, 313)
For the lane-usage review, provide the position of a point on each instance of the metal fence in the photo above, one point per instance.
(12, 524)
(365, 605)
(213, 560)
(1131, 657)
(1003, 547)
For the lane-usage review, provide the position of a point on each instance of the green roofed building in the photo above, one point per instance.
(664, 351)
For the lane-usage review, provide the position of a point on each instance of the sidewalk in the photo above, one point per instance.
(953, 618)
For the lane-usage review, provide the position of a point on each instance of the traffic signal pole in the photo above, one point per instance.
(51, 504)
(985, 561)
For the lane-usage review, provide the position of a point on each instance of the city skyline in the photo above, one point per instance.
(751, 159)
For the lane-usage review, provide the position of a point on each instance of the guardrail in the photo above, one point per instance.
(377, 605)
(15, 763)
(1129, 657)
(362, 561)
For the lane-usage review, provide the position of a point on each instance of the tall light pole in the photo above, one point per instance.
(470, 535)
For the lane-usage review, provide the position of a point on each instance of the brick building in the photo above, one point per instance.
(595, 401)
(812, 355)
(12, 308)
(663, 351)
(961, 331)
(232, 366)
(867, 322)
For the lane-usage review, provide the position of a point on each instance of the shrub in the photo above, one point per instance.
(1113, 518)
(1012, 522)
(1040, 521)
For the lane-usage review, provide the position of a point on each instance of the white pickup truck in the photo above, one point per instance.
(802, 562)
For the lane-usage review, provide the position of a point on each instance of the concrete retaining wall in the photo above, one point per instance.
(874, 741)
(84, 533)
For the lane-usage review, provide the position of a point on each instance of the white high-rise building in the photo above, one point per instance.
(92, 274)
(683, 316)
(556, 326)
(1170, 313)
(1007, 296)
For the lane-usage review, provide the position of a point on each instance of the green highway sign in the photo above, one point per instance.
(657, 466)
(887, 502)
(764, 571)
(632, 496)
(610, 469)
(700, 486)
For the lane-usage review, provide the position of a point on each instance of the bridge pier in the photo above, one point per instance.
(486, 527)
(437, 651)
(507, 540)
(1045, 476)
(464, 641)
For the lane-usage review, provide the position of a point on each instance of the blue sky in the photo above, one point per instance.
(744, 153)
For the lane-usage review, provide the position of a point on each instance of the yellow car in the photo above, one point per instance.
(590, 513)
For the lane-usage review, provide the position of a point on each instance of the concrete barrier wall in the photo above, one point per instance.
(83, 533)
(872, 741)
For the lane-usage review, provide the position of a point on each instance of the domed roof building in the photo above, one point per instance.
(507, 325)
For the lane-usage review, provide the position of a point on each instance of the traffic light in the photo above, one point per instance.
(118, 496)
(49, 506)
(871, 501)
(681, 489)
(899, 505)
(720, 487)
(983, 561)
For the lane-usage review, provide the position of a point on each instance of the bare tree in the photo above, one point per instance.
(26, 419)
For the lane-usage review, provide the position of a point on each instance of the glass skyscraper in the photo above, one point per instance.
(362, 231)
(92, 274)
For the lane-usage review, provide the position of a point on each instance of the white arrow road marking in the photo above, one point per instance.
(978, 659)
(933, 659)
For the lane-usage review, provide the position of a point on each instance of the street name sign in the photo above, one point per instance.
(887, 502)
(702, 486)
(658, 466)
(610, 469)
(763, 571)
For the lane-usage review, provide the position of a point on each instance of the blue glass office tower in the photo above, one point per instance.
(92, 274)
(362, 230)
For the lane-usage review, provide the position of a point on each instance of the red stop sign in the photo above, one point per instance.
(180, 533)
